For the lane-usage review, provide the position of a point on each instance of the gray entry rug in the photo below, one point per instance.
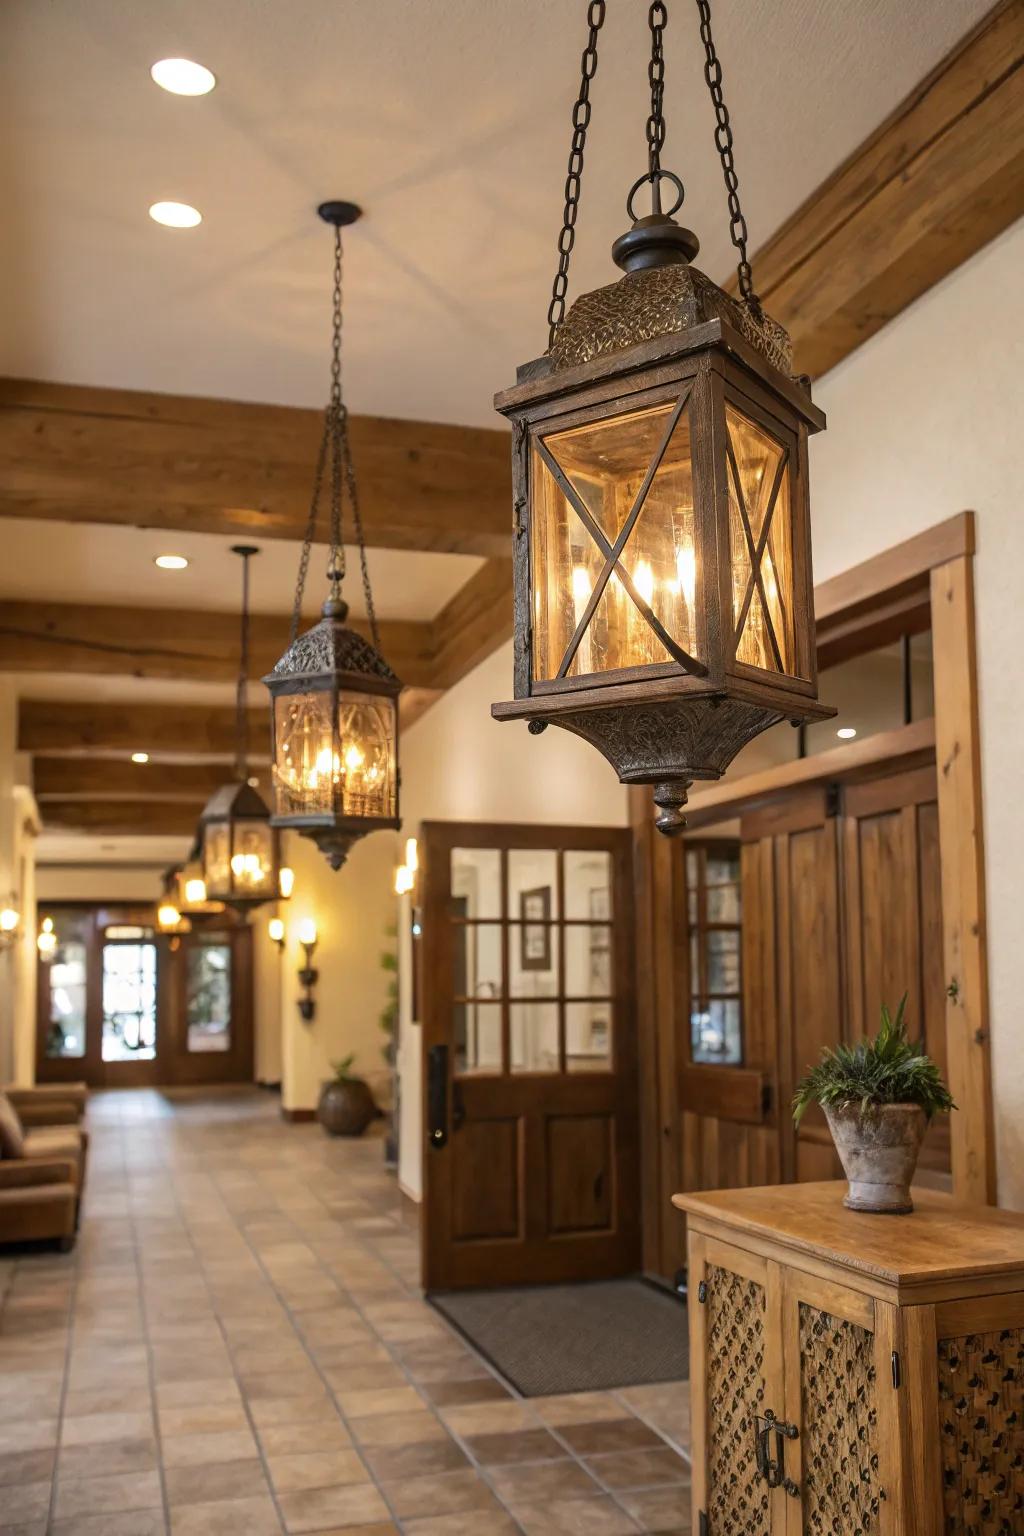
(546, 1339)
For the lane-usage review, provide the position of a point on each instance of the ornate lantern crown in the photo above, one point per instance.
(334, 699)
(663, 598)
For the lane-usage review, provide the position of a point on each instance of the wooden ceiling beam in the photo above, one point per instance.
(942, 176)
(194, 645)
(73, 778)
(90, 455)
(125, 818)
(473, 623)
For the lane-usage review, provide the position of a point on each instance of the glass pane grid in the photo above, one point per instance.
(715, 956)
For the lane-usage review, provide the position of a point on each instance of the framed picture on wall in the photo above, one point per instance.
(535, 930)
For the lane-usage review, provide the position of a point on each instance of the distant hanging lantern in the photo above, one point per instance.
(334, 699)
(663, 594)
(239, 847)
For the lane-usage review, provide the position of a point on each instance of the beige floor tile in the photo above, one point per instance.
(107, 1494)
(203, 1418)
(138, 1522)
(577, 1408)
(398, 1428)
(112, 1458)
(197, 1450)
(21, 1503)
(490, 1418)
(665, 1510)
(610, 1435)
(310, 1409)
(499, 1523)
(302, 1439)
(31, 1435)
(445, 1494)
(95, 1428)
(228, 1517)
(320, 1508)
(639, 1469)
(183, 1394)
(575, 1517)
(514, 1445)
(315, 1469)
(389, 1463)
(220, 1480)
(530, 1483)
(26, 1467)
(357, 1405)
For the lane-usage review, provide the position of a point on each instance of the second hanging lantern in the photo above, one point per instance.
(334, 699)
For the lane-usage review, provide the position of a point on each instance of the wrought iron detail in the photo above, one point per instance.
(574, 176)
(330, 647)
(841, 1490)
(660, 301)
(981, 1389)
(738, 1497)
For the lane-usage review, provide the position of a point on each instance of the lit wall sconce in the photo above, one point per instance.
(405, 874)
(285, 882)
(10, 921)
(308, 976)
(276, 930)
(46, 941)
(170, 920)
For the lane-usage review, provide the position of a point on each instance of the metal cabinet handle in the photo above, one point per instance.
(773, 1469)
(437, 1096)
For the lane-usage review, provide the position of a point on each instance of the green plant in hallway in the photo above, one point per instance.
(879, 1098)
(346, 1105)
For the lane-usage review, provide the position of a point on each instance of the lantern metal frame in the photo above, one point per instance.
(331, 657)
(238, 804)
(665, 336)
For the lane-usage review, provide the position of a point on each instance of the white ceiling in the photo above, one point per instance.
(447, 119)
(93, 563)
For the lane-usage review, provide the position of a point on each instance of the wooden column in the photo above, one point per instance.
(963, 878)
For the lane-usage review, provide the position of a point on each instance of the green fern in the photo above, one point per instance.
(343, 1068)
(890, 1069)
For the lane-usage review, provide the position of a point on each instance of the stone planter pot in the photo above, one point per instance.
(346, 1109)
(878, 1149)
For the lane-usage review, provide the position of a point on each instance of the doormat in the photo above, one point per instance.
(548, 1339)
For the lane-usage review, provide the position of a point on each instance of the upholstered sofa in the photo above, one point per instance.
(43, 1155)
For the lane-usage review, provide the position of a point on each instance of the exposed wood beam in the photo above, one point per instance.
(126, 818)
(71, 778)
(902, 569)
(172, 642)
(473, 623)
(171, 730)
(90, 455)
(942, 176)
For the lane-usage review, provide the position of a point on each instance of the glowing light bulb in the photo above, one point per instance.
(167, 915)
(183, 77)
(195, 891)
(307, 931)
(276, 930)
(403, 880)
(286, 881)
(846, 732)
(9, 920)
(580, 585)
(412, 855)
(354, 758)
(643, 580)
(686, 573)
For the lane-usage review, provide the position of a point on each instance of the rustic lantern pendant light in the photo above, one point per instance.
(334, 699)
(239, 846)
(661, 543)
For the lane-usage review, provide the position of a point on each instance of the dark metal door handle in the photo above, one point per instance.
(773, 1469)
(437, 1096)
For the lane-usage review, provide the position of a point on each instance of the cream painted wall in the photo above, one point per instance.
(96, 882)
(24, 971)
(460, 765)
(927, 419)
(353, 909)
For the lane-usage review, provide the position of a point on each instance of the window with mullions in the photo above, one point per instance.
(533, 983)
(715, 918)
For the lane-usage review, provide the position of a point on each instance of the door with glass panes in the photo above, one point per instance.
(530, 1089)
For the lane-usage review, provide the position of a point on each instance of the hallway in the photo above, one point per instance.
(239, 1344)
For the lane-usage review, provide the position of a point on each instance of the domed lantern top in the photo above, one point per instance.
(334, 699)
(663, 594)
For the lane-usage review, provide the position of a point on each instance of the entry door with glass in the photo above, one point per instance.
(531, 1156)
(212, 1036)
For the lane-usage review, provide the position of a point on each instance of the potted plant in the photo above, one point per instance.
(346, 1104)
(879, 1098)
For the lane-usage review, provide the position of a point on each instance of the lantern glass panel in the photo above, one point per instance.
(761, 546)
(321, 772)
(252, 859)
(217, 856)
(606, 465)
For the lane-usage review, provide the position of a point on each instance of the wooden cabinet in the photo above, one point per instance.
(862, 1375)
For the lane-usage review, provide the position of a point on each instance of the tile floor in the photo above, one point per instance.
(239, 1347)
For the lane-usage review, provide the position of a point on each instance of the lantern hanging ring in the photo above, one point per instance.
(655, 178)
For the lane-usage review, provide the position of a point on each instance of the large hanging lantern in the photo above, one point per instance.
(239, 846)
(663, 593)
(334, 699)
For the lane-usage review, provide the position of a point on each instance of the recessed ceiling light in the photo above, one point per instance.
(846, 732)
(176, 215)
(171, 562)
(183, 77)
(140, 757)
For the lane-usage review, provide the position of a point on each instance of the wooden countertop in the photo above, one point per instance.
(939, 1240)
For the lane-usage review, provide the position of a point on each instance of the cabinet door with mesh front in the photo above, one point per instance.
(736, 1381)
(841, 1412)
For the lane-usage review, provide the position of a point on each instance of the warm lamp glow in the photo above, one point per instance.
(276, 930)
(168, 916)
(171, 562)
(846, 732)
(46, 941)
(195, 892)
(307, 931)
(686, 574)
(412, 855)
(140, 757)
(183, 77)
(286, 881)
(403, 880)
(248, 869)
(175, 216)
(9, 920)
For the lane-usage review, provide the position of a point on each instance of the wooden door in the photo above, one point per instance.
(530, 1089)
(209, 1038)
(892, 889)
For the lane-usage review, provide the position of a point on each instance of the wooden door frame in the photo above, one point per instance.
(927, 578)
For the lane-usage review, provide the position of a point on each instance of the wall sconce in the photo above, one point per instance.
(308, 976)
(285, 882)
(46, 941)
(10, 921)
(170, 920)
(405, 874)
(276, 930)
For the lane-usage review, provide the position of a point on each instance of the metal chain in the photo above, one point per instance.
(657, 20)
(574, 177)
(357, 518)
(724, 145)
(241, 693)
(336, 561)
(307, 542)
